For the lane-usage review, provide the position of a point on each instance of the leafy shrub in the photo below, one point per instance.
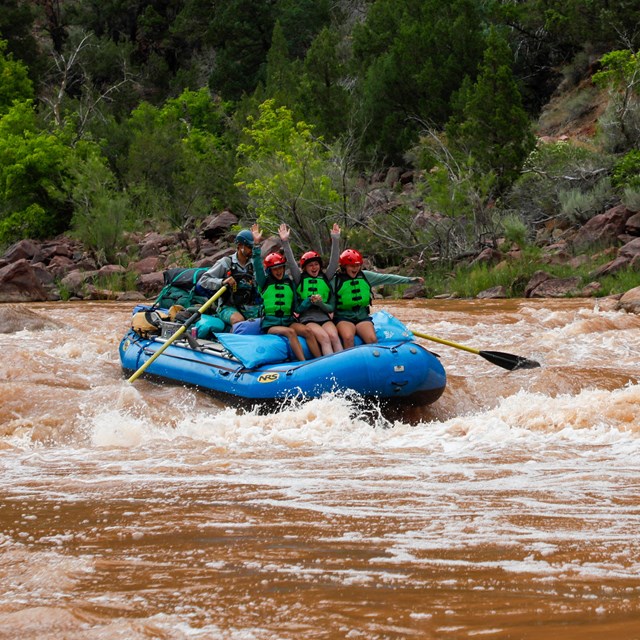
(626, 172)
(557, 168)
(32, 222)
(631, 199)
(101, 212)
(578, 205)
(514, 229)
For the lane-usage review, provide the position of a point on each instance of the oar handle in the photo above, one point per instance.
(178, 333)
(447, 342)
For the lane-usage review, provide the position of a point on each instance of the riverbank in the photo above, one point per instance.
(599, 259)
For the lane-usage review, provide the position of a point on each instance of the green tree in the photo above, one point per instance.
(301, 21)
(621, 124)
(18, 28)
(569, 24)
(281, 73)
(15, 85)
(491, 126)
(412, 56)
(240, 33)
(458, 197)
(181, 159)
(324, 99)
(287, 175)
(34, 165)
(101, 210)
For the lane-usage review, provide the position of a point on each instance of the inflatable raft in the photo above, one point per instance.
(252, 369)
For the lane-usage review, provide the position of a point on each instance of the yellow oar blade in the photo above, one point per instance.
(178, 333)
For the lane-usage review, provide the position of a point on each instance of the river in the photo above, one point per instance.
(509, 509)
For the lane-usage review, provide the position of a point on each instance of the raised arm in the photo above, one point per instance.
(332, 267)
(256, 256)
(285, 232)
(376, 279)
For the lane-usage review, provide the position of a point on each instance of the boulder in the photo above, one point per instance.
(628, 257)
(153, 244)
(92, 293)
(488, 255)
(590, 290)
(130, 296)
(270, 245)
(15, 318)
(219, 225)
(150, 284)
(58, 247)
(22, 250)
(611, 267)
(19, 283)
(59, 266)
(630, 301)
(393, 177)
(493, 293)
(46, 277)
(536, 280)
(603, 229)
(75, 282)
(110, 270)
(557, 288)
(204, 262)
(631, 250)
(208, 248)
(414, 291)
(146, 265)
(633, 225)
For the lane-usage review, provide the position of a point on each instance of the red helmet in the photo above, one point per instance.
(274, 259)
(350, 256)
(310, 256)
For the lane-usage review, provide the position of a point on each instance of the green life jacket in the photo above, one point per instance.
(310, 286)
(278, 297)
(352, 293)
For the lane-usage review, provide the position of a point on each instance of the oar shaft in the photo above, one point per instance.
(157, 354)
(504, 360)
(446, 342)
(178, 333)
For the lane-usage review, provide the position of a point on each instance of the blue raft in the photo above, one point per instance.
(251, 369)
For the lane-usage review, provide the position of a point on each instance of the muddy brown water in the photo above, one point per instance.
(508, 509)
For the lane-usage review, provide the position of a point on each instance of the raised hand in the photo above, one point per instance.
(335, 230)
(284, 232)
(257, 234)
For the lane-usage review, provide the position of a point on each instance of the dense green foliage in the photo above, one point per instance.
(114, 113)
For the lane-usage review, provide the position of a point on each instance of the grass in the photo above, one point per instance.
(468, 282)
(620, 282)
(118, 281)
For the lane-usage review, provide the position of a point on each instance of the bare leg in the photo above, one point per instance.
(321, 336)
(330, 329)
(347, 332)
(366, 331)
(291, 336)
(304, 331)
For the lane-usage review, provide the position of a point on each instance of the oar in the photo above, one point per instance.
(504, 360)
(179, 332)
